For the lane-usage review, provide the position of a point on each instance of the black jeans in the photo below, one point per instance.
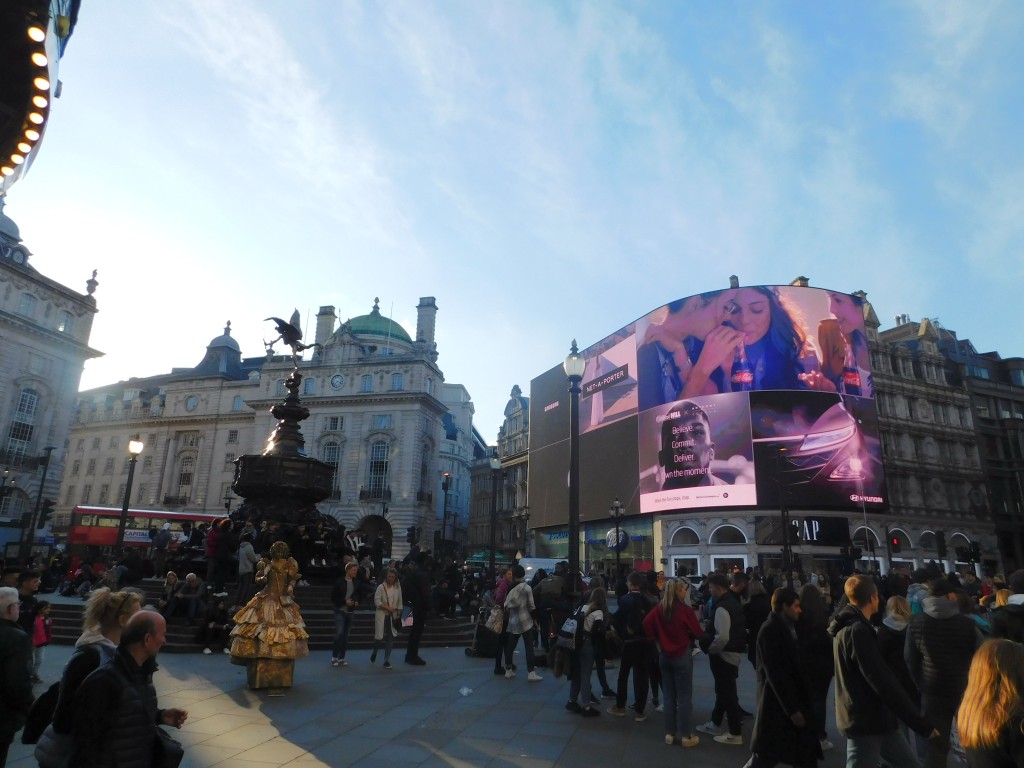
(636, 655)
(727, 701)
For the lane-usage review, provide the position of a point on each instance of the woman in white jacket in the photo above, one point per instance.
(388, 599)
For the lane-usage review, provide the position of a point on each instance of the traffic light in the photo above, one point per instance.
(940, 544)
(963, 554)
(975, 551)
(894, 543)
(855, 553)
(45, 510)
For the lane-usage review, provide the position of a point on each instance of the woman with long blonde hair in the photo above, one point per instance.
(990, 720)
(674, 628)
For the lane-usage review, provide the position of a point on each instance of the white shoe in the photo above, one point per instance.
(509, 674)
(729, 738)
(659, 707)
(826, 745)
(670, 739)
(533, 677)
(227, 650)
(710, 728)
(207, 651)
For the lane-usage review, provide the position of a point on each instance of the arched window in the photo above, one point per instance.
(238, 403)
(330, 454)
(728, 534)
(23, 423)
(685, 537)
(380, 453)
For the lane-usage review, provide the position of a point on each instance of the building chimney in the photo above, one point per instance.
(734, 281)
(325, 320)
(801, 282)
(426, 317)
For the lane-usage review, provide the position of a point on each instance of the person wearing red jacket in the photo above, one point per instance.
(42, 636)
(673, 626)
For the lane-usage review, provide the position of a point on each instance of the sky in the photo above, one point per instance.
(548, 171)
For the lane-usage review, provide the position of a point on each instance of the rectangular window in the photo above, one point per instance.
(65, 322)
(367, 383)
(382, 421)
(1017, 377)
(104, 493)
(140, 495)
(113, 442)
(86, 493)
(978, 372)
(232, 435)
(76, 466)
(229, 461)
(309, 387)
(127, 463)
(108, 466)
(333, 423)
(95, 443)
(27, 305)
(90, 468)
(120, 493)
(147, 463)
(379, 454)
(69, 496)
(396, 381)
(38, 365)
(189, 439)
(81, 444)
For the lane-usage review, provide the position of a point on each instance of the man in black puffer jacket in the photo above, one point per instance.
(868, 696)
(116, 710)
(941, 642)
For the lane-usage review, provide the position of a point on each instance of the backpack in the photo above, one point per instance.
(162, 539)
(568, 635)
(40, 714)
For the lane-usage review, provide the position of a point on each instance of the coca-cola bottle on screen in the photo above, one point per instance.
(851, 373)
(742, 376)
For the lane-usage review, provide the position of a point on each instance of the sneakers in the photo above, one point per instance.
(691, 740)
(826, 745)
(659, 707)
(499, 670)
(572, 706)
(670, 739)
(590, 712)
(226, 650)
(386, 665)
(609, 694)
(640, 717)
(617, 711)
(220, 594)
(373, 657)
(334, 662)
(734, 739)
(710, 728)
(509, 674)
(533, 677)
(207, 651)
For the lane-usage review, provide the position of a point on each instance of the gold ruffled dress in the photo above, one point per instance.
(270, 626)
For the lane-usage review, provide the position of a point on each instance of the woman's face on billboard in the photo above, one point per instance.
(749, 311)
(846, 312)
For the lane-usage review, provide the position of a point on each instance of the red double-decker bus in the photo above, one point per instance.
(97, 526)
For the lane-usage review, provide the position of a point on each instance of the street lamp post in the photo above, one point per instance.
(857, 465)
(444, 513)
(615, 511)
(574, 367)
(495, 473)
(134, 449)
(787, 549)
(30, 532)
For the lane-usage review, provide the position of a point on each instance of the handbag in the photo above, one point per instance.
(167, 752)
(496, 620)
(407, 616)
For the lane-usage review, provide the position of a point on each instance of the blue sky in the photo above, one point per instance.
(546, 170)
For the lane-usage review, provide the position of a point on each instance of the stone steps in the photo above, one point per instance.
(317, 612)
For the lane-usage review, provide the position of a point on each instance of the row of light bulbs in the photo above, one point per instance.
(32, 128)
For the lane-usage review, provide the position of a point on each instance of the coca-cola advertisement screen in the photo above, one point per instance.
(734, 397)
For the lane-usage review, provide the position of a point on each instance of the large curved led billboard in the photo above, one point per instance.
(724, 399)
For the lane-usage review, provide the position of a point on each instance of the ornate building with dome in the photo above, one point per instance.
(381, 415)
(44, 343)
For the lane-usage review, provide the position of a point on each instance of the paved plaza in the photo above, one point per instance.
(453, 712)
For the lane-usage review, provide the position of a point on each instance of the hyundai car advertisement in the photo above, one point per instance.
(729, 398)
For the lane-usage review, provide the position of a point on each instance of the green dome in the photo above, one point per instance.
(376, 324)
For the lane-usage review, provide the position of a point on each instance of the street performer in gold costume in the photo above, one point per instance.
(270, 633)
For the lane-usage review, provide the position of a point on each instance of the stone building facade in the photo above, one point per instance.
(44, 343)
(379, 414)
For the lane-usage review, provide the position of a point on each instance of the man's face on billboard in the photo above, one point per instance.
(687, 450)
